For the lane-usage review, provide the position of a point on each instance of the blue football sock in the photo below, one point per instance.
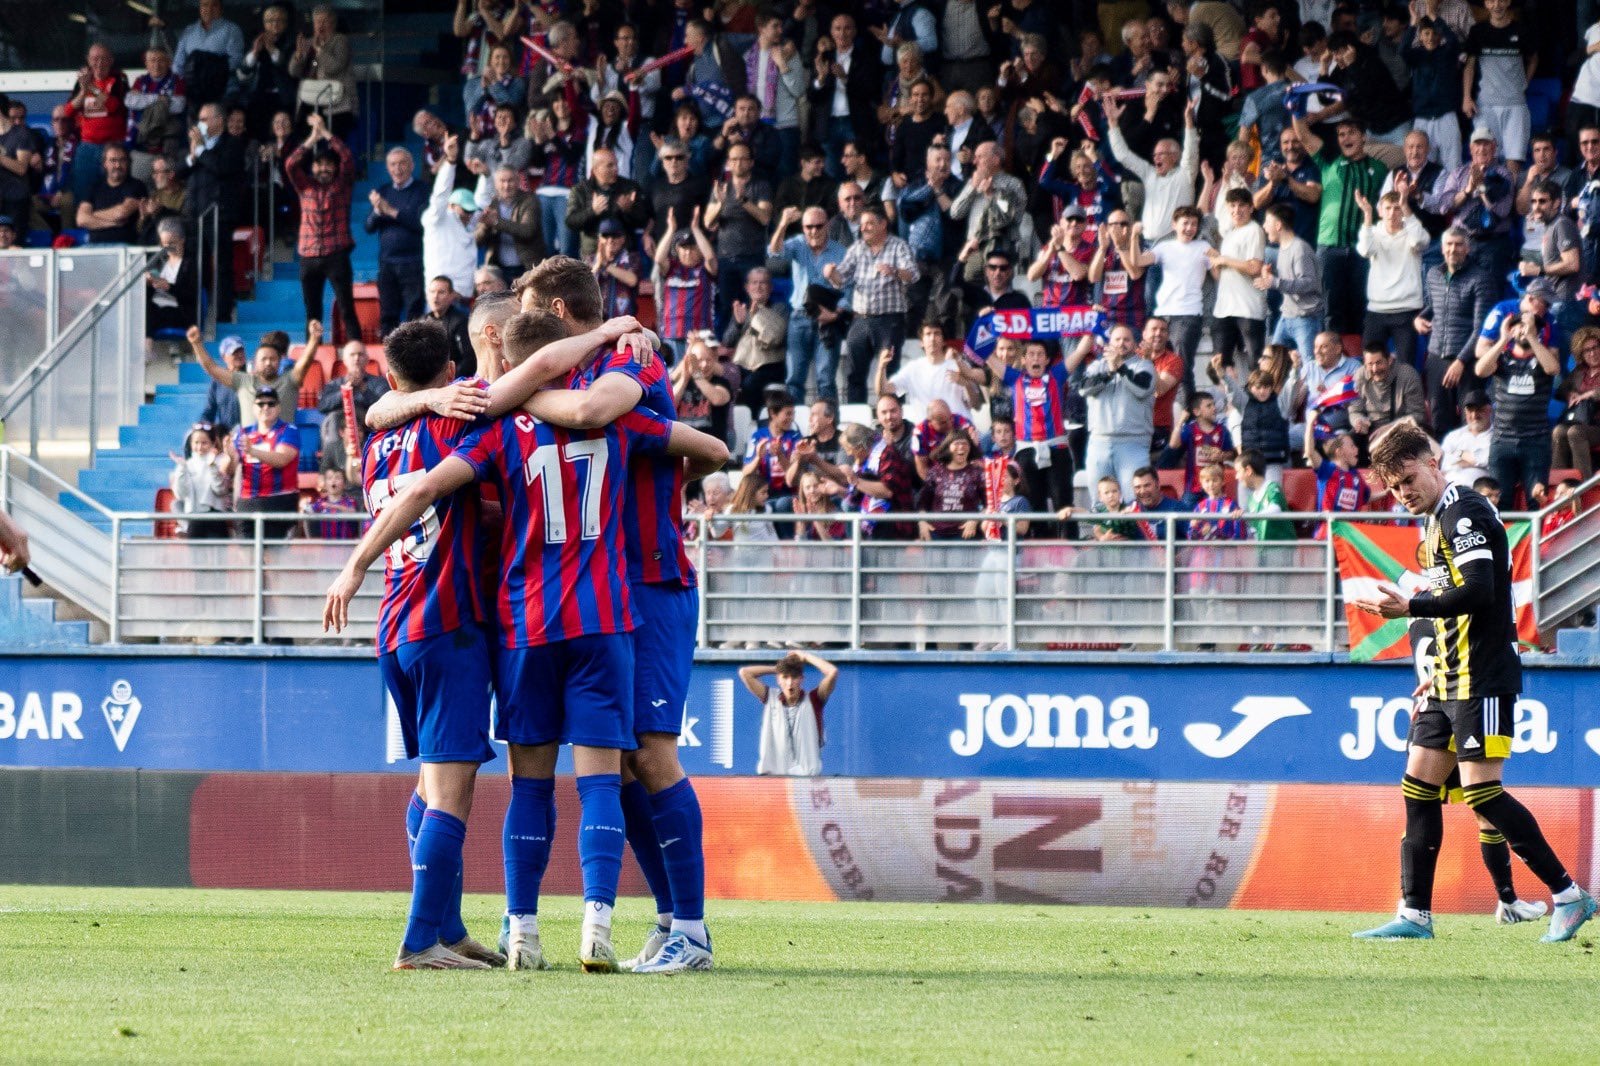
(435, 870)
(678, 828)
(600, 836)
(530, 827)
(414, 812)
(639, 820)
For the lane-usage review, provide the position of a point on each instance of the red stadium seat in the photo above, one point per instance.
(165, 504)
(1300, 488)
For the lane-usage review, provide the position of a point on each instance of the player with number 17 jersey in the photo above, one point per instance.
(431, 584)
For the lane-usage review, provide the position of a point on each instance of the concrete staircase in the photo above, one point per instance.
(26, 622)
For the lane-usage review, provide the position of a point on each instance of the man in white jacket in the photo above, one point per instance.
(1393, 250)
(448, 248)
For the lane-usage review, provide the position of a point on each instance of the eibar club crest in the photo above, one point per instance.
(121, 710)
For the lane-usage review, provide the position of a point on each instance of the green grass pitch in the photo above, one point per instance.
(102, 975)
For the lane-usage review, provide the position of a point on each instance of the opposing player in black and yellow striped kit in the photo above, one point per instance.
(1477, 674)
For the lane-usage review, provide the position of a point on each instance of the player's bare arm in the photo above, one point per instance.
(608, 399)
(752, 678)
(401, 514)
(706, 454)
(559, 358)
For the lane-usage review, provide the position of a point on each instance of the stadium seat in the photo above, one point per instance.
(311, 385)
(645, 312)
(743, 427)
(249, 258)
(1300, 488)
(165, 504)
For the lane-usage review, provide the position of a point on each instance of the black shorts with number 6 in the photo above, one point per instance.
(1475, 729)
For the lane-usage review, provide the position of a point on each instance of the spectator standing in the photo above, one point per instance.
(604, 194)
(1578, 433)
(448, 248)
(498, 86)
(1464, 451)
(1478, 197)
(1371, 96)
(716, 74)
(814, 331)
(213, 174)
(111, 211)
(157, 104)
(791, 722)
(209, 51)
(1062, 264)
(808, 186)
(1515, 351)
(686, 265)
(1347, 171)
(1168, 176)
(1457, 297)
(739, 211)
(771, 450)
(1120, 388)
(263, 84)
(1559, 257)
(1038, 390)
(922, 215)
(844, 91)
(1291, 178)
(965, 47)
(98, 103)
(758, 334)
(747, 128)
(618, 270)
(1263, 420)
(1388, 389)
(1114, 271)
(881, 267)
(444, 309)
(268, 454)
(60, 150)
(324, 60)
(1297, 277)
(325, 240)
(365, 390)
(396, 217)
(1393, 250)
(1500, 59)
(681, 192)
(1432, 51)
(955, 485)
(993, 205)
(266, 370)
(845, 226)
(937, 376)
(201, 483)
(1185, 262)
(222, 402)
(508, 226)
(558, 149)
(17, 156)
(893, 427)
(1240, 314)
(1155, 345)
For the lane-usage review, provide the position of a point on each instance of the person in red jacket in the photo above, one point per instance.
(97, 104)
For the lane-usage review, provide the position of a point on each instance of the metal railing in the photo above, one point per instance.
(1566, 560)
(264, 579)
(86, 377)
(210, 262)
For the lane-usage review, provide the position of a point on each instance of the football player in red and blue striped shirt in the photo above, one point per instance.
(435, 655)
(658, 802)
(564, 670)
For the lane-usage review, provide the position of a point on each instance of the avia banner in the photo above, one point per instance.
(957, 840)
(1310, 722)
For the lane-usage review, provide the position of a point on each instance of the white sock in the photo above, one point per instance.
(597, 913)
(664, 919)
(526, 924)
(694, 930)
(1571, 894)
(1412, 914)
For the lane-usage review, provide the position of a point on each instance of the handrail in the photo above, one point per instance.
(102, 304)
(209, 324)
(35, 468)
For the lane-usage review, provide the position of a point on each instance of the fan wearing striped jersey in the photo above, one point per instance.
(1467, 723)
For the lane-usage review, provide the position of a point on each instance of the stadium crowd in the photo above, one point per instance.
(1231, 239)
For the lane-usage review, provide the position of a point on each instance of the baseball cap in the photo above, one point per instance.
(7, 220)
(1482, 133)
(1475, 398)
(683, 238)
(464, 199)
(1074, 211)
(229, 345)
(610, 227)
(1540, 288)
(267, 392)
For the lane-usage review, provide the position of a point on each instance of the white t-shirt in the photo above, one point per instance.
(1463, 444)
(1237, 296)
(922, 381)
(1586, 90)
(1183, 276)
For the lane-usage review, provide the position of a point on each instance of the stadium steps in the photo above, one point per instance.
(27, 622)
(1583, 642)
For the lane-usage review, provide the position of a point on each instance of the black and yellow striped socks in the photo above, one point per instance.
(1419, 850)
(1521, 832)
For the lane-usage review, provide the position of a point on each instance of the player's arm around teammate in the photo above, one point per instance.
(466, 400)
(613, 396)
